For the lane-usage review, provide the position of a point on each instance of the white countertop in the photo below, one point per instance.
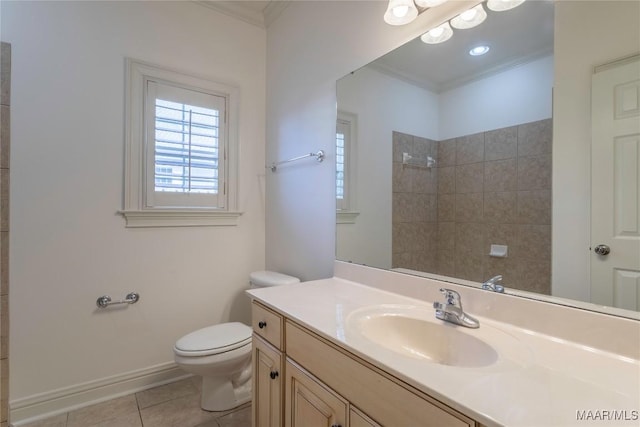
(538, 380)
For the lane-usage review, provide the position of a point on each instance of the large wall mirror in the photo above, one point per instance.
(465, 167)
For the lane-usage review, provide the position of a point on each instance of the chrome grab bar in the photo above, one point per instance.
(105, 300)
(319, 155)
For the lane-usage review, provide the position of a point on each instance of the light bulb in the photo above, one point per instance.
(439, 34)
(436, 32)
(468, 15)
(400, 11)
(469, 18)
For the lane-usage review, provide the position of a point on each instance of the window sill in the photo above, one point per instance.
(346, 217)
(180, 218)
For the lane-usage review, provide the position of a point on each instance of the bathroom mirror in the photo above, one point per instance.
(446, 160)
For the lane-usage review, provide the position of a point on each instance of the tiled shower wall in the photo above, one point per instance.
(5, 94)
(492, 188)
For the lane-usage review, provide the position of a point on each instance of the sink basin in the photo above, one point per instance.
(412, 332)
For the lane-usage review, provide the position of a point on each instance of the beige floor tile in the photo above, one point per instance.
(57, 421)
(128, 420)
(181, 412)
(103, 412)
(166, 392)
(240, 418)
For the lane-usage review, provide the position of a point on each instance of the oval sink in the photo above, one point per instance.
(422, 338)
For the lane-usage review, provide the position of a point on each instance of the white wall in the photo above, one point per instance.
(512, 97)
(580, 44)
(309, 47)
(68, 244)
(383, 104)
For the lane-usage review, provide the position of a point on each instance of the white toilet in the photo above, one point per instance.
(221, 354)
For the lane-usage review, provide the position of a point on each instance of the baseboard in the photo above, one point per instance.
(44, 405)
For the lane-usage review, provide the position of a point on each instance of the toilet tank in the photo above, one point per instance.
(263, 279)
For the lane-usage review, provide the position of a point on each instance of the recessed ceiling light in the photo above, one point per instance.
(479, 50)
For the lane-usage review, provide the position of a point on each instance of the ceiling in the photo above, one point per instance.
(515, 37)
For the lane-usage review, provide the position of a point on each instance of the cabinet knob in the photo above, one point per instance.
(274, 375)
(262, 324)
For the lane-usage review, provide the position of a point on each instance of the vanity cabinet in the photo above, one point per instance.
(268, 367)
(309, 403)
(325, 385)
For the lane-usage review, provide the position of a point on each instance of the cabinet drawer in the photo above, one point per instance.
(267, 324)
(383, 398)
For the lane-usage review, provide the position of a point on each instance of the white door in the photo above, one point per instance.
(615, 185)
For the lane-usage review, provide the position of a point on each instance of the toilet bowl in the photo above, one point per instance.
(221, 355)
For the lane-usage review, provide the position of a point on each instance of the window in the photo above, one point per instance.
(346, 126)
(181, 149)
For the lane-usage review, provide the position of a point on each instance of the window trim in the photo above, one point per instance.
(135, 211)
(349, 213)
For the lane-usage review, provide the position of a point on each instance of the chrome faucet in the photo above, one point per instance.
(451, 310)
(493, 284)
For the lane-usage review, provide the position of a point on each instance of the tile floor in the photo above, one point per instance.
(171, 405)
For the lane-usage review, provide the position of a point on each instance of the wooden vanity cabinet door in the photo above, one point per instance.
(358, 419)
(267, 385)
(309, 403)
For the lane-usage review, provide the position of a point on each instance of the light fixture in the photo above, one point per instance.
(431, 3)
(439, 34)
(469, 18)
(502, 5)
(400, 12)
(479, 50)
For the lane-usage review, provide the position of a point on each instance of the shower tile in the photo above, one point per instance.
(502, 234)
(4, 326)
(446, 236)
(469, 178)
(4, 199)
(500, 175)
(5, 124)
(165, 393)
(402, 207)
(446, 263)
(421, 147)
(534, 172)
(400, 238)
(403, 178)
(469, 207)
(402, 143)
(446, 153)
(500, 207)
(534, 207)
(425, 261)
(535, 138)
(469, 267)
(501, 143)
(426, 207)
(534, 242)
(470, 149)
(401, 260)
(534, 276)
(505, 267)
(447, 179)
(5, 73)
(103, 412)
(469, 240)
(425, 181)
(4, 263)
(446, 207)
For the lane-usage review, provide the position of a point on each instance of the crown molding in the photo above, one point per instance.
(240, 10)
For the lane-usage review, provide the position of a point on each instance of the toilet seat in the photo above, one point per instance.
(214, 339)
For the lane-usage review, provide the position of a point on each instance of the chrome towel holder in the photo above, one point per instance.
(319, 154)
(105, 300)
